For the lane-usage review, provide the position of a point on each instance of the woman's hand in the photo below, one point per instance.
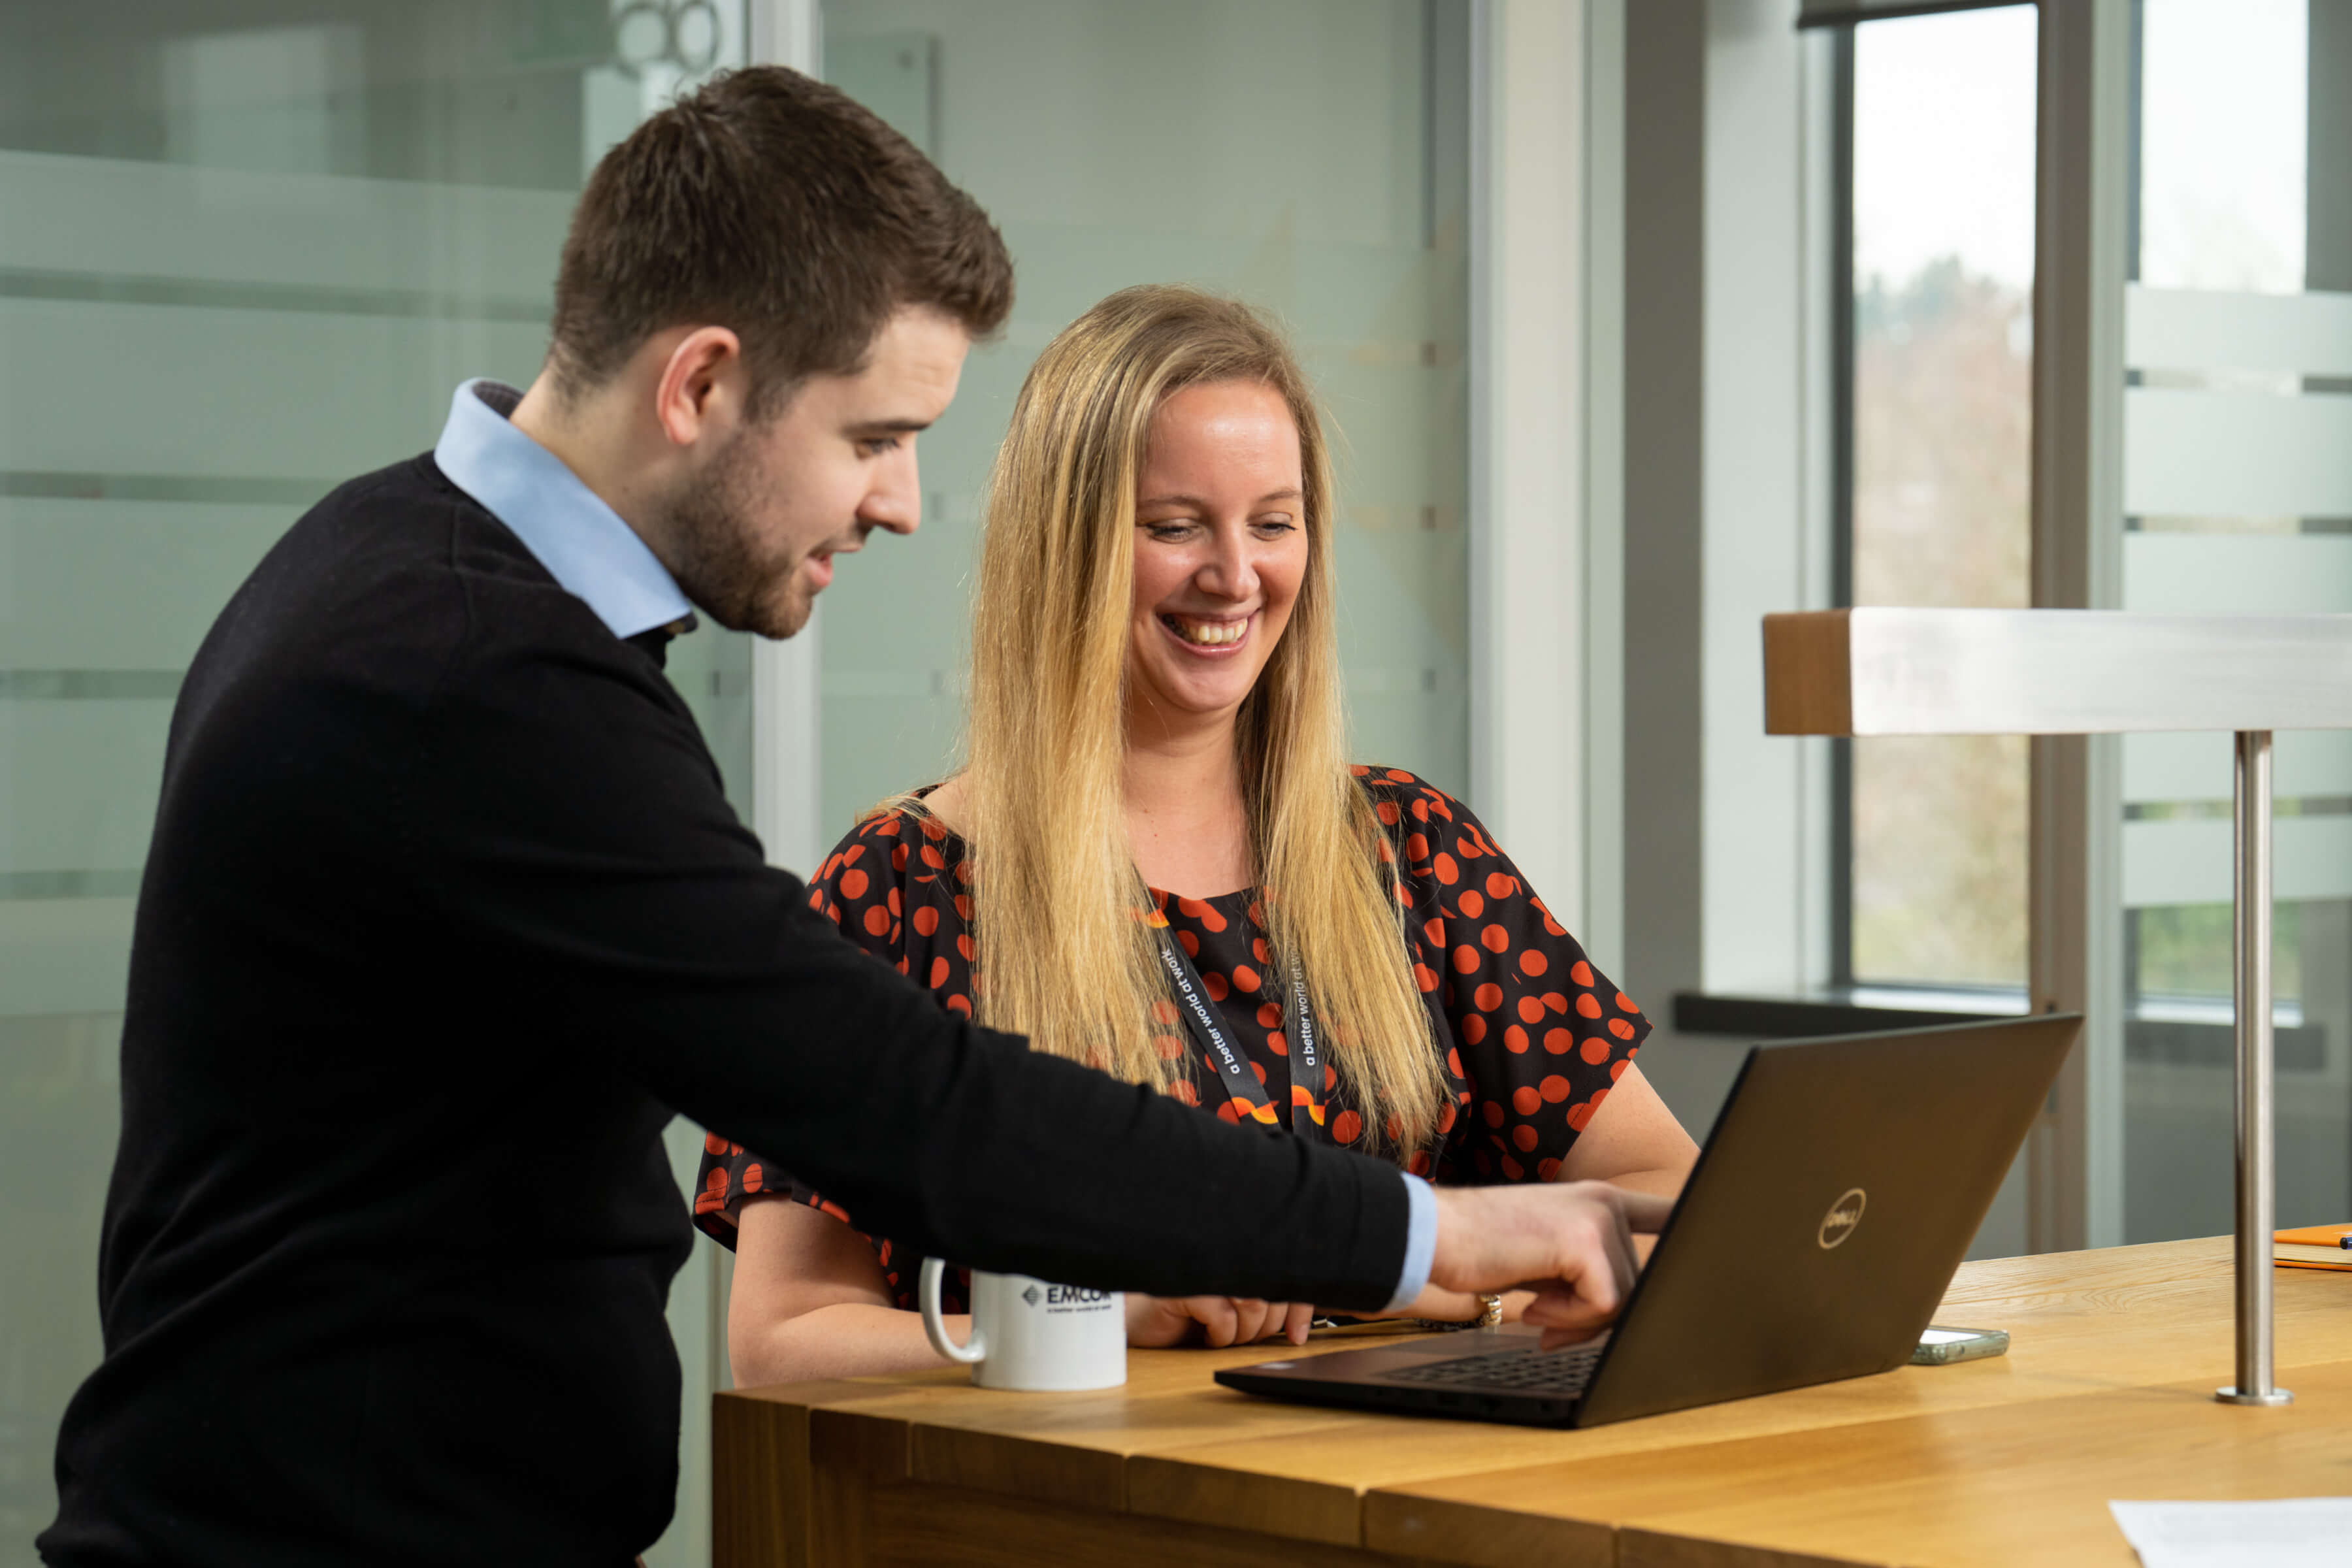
(1155, 1321)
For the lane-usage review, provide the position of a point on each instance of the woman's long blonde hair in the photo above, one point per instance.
(1078, 971)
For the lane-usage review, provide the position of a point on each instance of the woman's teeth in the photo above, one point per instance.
(1206, 633)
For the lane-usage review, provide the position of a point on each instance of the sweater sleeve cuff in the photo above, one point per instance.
(1419, 1242)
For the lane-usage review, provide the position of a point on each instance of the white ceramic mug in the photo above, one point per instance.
(1029, 1333)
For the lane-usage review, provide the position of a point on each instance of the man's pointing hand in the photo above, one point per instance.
(1571, 1243)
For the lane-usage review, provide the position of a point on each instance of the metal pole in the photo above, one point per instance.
(2255, 1219)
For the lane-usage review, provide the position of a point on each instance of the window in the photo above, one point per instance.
(1939, 117)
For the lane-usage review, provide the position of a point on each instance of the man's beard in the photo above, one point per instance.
(717, 561)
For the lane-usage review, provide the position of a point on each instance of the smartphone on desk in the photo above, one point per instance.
(1939, 1345)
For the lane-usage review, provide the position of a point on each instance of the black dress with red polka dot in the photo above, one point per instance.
(1533, 1034)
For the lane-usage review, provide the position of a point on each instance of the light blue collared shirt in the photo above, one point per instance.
(1420, 1241)
(582, 542)
(600, 560)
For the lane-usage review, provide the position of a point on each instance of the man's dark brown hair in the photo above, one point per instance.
(781, 209)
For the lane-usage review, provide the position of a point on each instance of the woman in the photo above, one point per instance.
(1157, 802)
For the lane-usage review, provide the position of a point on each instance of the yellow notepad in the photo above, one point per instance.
(2313, 1246)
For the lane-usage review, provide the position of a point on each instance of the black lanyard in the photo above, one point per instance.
(1219, 1048)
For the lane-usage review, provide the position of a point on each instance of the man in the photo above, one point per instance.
(443, 883)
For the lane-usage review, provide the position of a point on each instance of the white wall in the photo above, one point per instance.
(1528, 582)
(1764, 539)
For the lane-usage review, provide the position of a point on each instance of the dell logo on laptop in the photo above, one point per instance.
(1844, 1216)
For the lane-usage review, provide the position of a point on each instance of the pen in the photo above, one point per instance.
(2345, 1240)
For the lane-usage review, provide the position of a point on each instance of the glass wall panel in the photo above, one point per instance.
(1310, 156)
(247, 248)
(2237, 497)
(1943, 148)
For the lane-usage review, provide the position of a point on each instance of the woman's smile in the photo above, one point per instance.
(1209, 636)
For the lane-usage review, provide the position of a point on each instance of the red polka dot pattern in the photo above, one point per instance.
(1501, 976)
(1511, 980)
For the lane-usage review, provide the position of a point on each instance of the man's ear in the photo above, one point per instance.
(701, 386)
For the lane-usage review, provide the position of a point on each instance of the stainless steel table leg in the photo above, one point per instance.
(2255, 1083)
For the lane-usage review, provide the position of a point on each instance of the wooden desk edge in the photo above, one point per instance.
(880, 1425)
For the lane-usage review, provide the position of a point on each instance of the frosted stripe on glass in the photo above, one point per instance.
(90, 685)
(2190, 862)
(121, 883)
(117, 219)
(2199, 765)
(62, 484)
(31, 283)
(2202, 328)
(2287, 574)
(2228, 454)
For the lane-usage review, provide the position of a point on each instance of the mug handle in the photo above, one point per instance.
(973, 1351)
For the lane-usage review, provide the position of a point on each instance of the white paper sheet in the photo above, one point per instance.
(2284, 1533)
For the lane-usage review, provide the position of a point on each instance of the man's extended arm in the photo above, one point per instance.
(594, 873)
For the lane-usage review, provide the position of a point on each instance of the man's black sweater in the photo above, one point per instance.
(445, 915)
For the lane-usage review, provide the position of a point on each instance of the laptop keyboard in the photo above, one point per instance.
(1555, 1372)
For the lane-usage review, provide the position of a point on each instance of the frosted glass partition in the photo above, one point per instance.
(2236, 498)
(242, 259)
(1310, 156)
(2232, 452)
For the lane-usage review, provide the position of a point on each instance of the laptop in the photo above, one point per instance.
(1834, 1198)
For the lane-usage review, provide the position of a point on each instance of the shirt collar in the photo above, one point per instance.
(583, 543)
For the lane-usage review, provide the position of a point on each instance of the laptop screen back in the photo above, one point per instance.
(1838, 1192)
